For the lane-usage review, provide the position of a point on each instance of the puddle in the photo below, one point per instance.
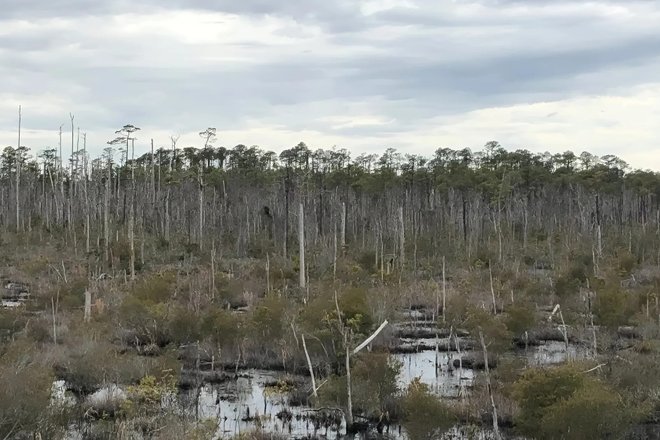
(444, 381)
(244, 405)
(8, 304)
(553, 353)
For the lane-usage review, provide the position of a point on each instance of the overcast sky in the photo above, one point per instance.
(547, 75)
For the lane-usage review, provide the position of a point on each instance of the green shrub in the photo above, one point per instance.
(268, 318)
(625, 263)
(223, 327)
(154, 289)
(496, 335)
(183, 326)
(613, 307)
(565, 403)
(24, 391)
(424, 415)
(520, 317)
(145, 322)
(354, 307)
(374, 381)
(367, 261)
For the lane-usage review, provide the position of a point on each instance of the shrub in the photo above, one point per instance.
(566, 403)
(424, 415)
(147, 396)
(183, 326)
(154, 289)
(354, 308)
(223, 327)
(496, 335)
(625, 263)
(367, 261)
(24, 391)
(374, 382)
(575, 276)
(612, 307)
(268, 318)
(521, 317)
(144, 322)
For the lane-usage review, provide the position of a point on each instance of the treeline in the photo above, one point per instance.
(246, 201)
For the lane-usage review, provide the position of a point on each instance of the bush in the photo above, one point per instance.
(521, 317)
(223, 327)
(24, 391)
(183, 326)
(566, 403)
(154, 289)
(367, 261)
(146, 397)
(496, 335)
(424, 415)
(625, 263)
(354, 308)
(613, 308)
(374, 382)
(575, 276)
(268, 318)
(144, 322)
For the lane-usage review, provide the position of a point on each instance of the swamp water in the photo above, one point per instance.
(247, 403)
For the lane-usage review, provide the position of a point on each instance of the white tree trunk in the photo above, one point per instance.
(402, 238)
(301, 240)
(343, 225)
(496, 427)
(444, 292)
(370, 338)
(349, 392)
(18, 173)
(201, 209)
(492, 289)
(88, 306)
(334, 257)
(309, 364)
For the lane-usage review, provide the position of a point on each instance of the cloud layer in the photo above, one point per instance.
(409, 74)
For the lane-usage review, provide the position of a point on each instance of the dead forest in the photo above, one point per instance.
(139, 290)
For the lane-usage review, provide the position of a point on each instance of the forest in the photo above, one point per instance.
(206, 292)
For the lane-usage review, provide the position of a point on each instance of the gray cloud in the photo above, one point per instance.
(298, 64)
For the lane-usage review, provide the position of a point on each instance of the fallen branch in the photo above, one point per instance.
(594, 368)
(370, 338)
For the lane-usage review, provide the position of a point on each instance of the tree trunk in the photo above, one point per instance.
(88, 306)
(201, 209)
(496, 427)
(349, 393)
(18, 173)
(343, 225)
(444, 293)
(106, 213)
(301, 240)
(402, 238)
(309, 364)
(492, 289)
(131, 220)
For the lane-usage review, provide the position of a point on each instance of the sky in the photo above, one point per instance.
(415, 75)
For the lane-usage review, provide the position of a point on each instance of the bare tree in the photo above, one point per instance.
(301, 240)
(18, 173)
